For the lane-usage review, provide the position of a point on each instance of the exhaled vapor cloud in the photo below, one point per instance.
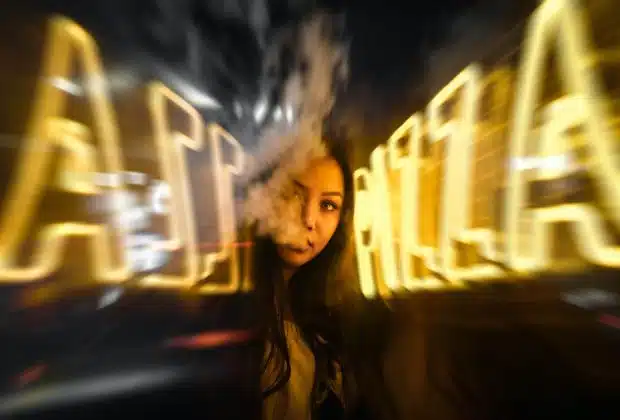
(290, 143)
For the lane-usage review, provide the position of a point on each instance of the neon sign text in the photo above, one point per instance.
(93, 156)
(389, 220)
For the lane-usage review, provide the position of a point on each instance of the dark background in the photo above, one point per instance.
(402, 53)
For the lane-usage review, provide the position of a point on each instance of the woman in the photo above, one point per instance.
(307, 368)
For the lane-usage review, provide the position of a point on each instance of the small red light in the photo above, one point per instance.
(610, 320)
(209, 339)
(30, 375)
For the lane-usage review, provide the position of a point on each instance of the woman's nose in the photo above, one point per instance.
(310, 215)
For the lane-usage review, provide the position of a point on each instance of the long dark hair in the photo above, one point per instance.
(305, 294)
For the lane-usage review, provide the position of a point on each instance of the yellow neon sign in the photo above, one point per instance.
(409, 165)
(363, 226)
(226, 220)
(561, 18)
(82, 148)
(46, 129)
(509, 245)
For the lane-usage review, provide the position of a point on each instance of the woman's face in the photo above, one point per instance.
(321, 186)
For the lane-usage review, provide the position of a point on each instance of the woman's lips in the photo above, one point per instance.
(301, 250)
(297, 249)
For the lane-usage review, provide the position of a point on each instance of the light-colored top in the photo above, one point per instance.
(292, 402)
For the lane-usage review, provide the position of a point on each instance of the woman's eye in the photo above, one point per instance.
(329, 205)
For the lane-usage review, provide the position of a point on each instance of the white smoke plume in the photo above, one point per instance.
(308, 94)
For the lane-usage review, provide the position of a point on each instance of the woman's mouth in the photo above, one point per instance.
(298, 250)
(301, 249)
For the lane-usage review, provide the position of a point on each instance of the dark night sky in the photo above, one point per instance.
(395, 32)
(391, 44)
(388, 40)
(391, 39)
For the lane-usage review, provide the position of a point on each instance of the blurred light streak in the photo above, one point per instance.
(110, 297)
(191, 93)
(210, 339)
(67, 86)
(260, 111)
(86, 389)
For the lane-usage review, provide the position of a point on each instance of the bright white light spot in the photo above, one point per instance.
(289, 114)
(200, 99)
(109, 297)
(67, 86)
(559, 162)
(277, 114)
(142, 253)
(159, 197)
(129, 215)
(192, 94)
(260, 111)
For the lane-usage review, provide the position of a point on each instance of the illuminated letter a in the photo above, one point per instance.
(48, 130)
(560, 21)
